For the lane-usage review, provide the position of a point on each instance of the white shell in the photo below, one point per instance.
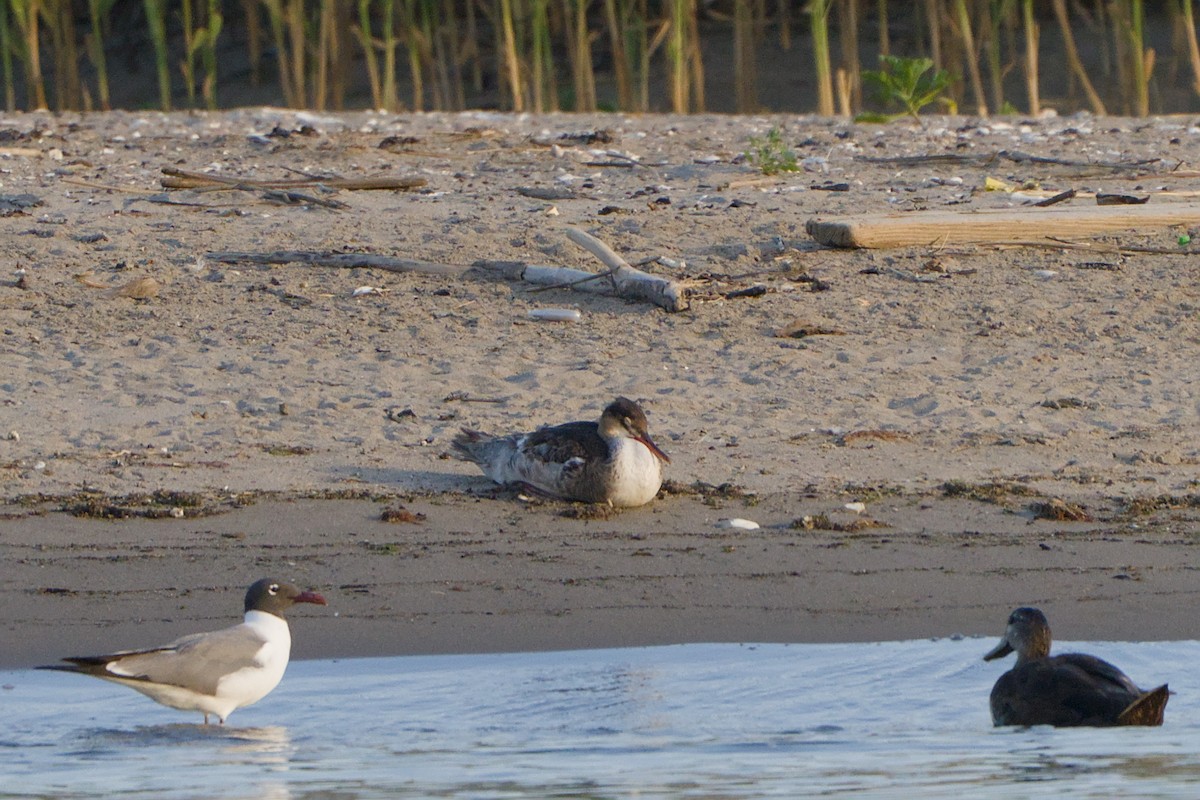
(556, 314)
(739, 523)
(857, 508)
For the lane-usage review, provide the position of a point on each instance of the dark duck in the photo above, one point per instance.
(1072, 689)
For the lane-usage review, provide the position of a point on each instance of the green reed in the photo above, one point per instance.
(745, 72)
(1141, 60)
(98, 15)
(26, 14)
(1189, 27)
(962, 19)
(580, 49)
(156, 19)
(995, 15)
(818, 11)
(7, 49)
(1032, 37)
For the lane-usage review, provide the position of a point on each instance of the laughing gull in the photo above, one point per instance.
(213, 673)
(612, 461)
(1067, 690)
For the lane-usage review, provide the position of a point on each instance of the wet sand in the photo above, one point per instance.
(495, 574)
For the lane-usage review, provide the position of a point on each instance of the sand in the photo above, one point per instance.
(1018, 423)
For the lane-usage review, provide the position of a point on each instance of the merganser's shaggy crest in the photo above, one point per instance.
(213, 673)
(1068, 690)
(612, 461)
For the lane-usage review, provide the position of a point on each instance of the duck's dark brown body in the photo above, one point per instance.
(1068, 690)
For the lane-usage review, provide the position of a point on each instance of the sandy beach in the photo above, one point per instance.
(1009, 425)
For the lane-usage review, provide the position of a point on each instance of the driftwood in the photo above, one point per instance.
(630, 282)
(1055, 199)
(620, 279)
(1002, 226)
(186, 179)
(1015, 156)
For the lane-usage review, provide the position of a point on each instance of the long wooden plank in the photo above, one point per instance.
(994, 226)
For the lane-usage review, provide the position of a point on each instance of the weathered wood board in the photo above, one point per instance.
(994, 226)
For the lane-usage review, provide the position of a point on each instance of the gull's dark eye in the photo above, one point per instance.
(273, 588)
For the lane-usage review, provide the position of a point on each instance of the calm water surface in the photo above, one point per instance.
(893, 719)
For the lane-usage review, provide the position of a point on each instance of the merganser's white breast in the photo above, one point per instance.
(636, 474)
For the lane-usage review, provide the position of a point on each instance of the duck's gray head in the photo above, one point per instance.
(1027, 633)
(623, 417)
(275, 597)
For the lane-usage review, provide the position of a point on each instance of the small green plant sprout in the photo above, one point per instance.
(908, 82)
(770, 154)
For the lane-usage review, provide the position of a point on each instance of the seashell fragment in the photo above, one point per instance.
(555, 314)
(738, 523)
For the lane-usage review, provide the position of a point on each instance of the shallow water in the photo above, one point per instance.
(893, 719)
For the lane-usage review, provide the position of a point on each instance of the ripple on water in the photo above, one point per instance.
(712, 721)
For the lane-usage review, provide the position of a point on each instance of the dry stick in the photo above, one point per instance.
(161, 199)
(1015, 156)
(345, 260)
(103, 187)
(573, 284)
(1058, 198)
(290, 198)
(764, 180)
(185, 179)
(630, 282)
(1020, 157)
(1065, 244)
(1053, 242)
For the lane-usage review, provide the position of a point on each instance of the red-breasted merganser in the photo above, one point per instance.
(612, 461)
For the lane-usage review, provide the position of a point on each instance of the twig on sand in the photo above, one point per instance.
(289, 198)
(1015, 156)
(186, 179)
(1055, 199)
(628, 281)
(573, 284)
(1055, 243)
(463, 397)
(342, 260)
